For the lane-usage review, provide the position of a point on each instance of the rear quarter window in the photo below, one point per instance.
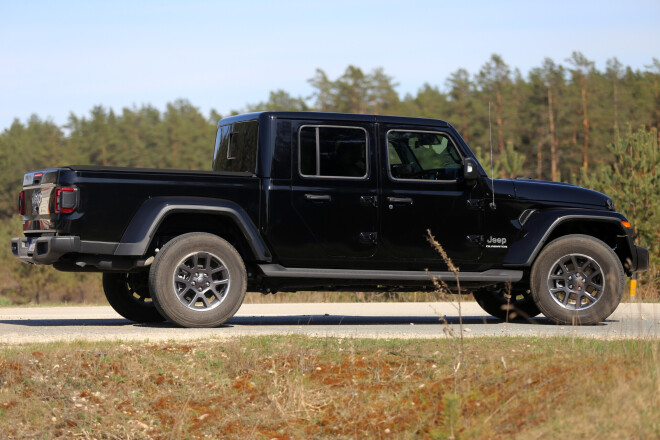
(236, 147)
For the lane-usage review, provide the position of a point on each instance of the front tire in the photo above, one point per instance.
(128, 294)
(198, 280)
(577, 279)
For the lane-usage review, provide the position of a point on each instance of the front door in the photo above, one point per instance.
(423, 190)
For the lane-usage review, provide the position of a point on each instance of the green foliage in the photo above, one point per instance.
(355, 92)
(632, 182)
(512, 161)
(280, 100)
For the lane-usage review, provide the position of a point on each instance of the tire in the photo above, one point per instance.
(577, 279)
(128, 294)
(494, 301)
(198, 280)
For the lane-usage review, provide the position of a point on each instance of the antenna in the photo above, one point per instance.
(490, 137)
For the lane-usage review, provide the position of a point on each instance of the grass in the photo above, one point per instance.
(294, 387)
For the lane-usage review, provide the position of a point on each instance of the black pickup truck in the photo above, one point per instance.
(323, 201)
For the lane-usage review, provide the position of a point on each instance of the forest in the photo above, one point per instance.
(564, 121)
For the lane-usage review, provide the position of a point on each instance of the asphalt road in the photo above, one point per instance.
(350, 320)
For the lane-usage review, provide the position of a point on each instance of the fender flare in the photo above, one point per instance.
(541, 225)
(153, 212)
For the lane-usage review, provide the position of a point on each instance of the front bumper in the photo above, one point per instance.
(43, 250)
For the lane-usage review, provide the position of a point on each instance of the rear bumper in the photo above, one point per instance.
(642, 259)
(43, 250)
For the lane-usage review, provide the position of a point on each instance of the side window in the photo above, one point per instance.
(421, 155)
(327, 151)
(236, 147)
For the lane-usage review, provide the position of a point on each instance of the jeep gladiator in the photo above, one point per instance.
(323, 201)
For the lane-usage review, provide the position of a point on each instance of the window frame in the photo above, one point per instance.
(389, 165)
(318, 153)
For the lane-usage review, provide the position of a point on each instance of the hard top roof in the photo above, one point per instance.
(326, 116)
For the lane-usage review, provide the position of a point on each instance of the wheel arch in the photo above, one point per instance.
(545, 228)
(160, 219)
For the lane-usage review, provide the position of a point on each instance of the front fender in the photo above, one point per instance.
(151, 214)
(539, 228)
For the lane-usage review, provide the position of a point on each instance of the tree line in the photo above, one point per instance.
(561, 121)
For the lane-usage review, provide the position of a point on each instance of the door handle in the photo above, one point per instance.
(318, 197)
(401, 200)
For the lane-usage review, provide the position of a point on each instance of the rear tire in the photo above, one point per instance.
(494, 301)
(198, 280)
(577, 279)
(128, 294)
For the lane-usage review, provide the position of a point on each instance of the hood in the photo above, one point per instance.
(560, 193)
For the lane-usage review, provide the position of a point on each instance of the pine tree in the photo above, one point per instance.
(632, 182)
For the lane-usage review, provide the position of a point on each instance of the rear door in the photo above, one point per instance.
(334, 194)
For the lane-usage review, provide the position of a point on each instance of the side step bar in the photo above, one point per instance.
(492, 275)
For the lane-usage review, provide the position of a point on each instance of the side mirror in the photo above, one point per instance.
(470, 171)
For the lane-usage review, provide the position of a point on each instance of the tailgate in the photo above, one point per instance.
(37, 199)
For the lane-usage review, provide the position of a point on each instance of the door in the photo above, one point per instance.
(423, 190)
(334, 195)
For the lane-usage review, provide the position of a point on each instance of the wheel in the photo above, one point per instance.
(128, 294)
(494, 301)
(198, 280)
(577, 279)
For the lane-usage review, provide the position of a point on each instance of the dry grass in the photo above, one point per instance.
(297, 387)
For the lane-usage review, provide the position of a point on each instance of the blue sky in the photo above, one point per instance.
(58, 57)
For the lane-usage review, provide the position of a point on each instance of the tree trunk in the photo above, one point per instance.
(616, 105)
(498, 112)
(585, 126)
(553, 138)
(539, 154)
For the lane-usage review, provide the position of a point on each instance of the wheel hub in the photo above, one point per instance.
(201, 281)
(576, 281)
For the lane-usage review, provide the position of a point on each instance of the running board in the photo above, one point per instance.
(492, 275)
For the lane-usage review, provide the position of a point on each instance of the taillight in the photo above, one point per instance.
(65, 200)
(21, 203)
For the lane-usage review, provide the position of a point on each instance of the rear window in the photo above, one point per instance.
(236, 147)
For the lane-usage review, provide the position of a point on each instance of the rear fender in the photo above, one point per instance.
(144, 225)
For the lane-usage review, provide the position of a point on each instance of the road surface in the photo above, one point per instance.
(350, 320)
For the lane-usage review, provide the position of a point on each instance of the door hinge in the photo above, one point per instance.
(369, 237)
(476, 239)
(475, 203)
(369, 201)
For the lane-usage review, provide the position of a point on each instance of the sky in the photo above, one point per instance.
(60, 57)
